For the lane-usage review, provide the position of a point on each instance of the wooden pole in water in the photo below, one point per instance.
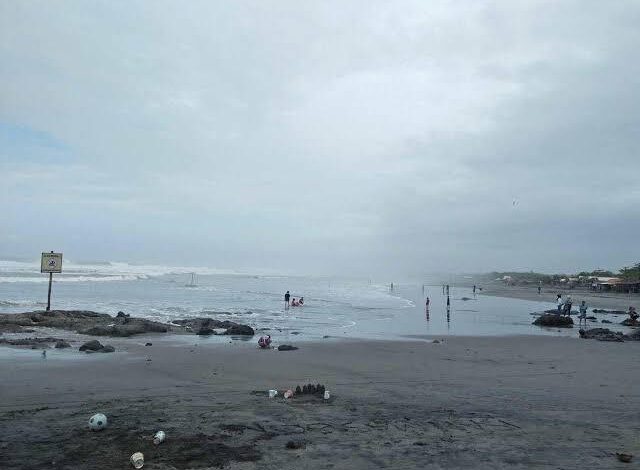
(49, 294)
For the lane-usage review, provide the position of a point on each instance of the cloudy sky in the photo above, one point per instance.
(323, 137)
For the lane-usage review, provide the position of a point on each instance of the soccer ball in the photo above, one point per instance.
(98, 422)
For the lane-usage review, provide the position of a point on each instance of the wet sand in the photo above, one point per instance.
(601, 300)
(481, 403)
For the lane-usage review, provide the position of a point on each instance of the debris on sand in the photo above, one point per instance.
(296, 445)
(98, 422)
(626, 458)
(286, 347)
(137, 460)
(159, 437)
(550, 319)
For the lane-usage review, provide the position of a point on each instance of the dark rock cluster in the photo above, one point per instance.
(94, 346)
(554, 320)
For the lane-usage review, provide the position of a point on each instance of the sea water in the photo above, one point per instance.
(334, 307)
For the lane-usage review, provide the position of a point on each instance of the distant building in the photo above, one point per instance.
(614, 284)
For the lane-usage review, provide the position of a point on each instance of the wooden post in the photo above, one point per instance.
(49, 296)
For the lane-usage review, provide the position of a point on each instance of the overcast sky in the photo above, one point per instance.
(323, 137)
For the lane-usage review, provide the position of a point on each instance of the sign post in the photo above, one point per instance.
(50, 263)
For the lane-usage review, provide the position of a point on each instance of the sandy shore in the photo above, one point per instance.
(482, 403)
(606, 300)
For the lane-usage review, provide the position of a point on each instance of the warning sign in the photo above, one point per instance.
(51, 263)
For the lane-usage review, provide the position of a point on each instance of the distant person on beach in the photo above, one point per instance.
(448, 301)
(294, 302)
(539, 290)
(583, 311)
(442, 289)
(301, 301)
(560, 303)
(264, 342)
(427, 302)
(474, 288)
(287, 296)
(567, 306)
(633, 315)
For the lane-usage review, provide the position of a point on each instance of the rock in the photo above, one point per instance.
(205, 332)
(107, 349)
(606, 321)
(243, 330)
(286, 347)
(601, 334)
(134, 326)
(436, 341)
(62, 344)
(466, 298)
(93, 345)
(10, 328)
(295, 445)
(35, 343)
(122, 315)
(554, 320)
(148, 344)
(231, 328)
(615, 312)
(630, 322)
(298, 390)
(634, 336)
(626, 458)
(83, 321)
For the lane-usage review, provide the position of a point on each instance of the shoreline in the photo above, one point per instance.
(594, 300)
(466, 402)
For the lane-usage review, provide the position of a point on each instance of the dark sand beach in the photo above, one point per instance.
(481, 403)
(606, 300)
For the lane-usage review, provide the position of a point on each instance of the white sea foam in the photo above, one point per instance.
(18, 271)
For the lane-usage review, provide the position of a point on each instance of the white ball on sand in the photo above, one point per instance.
(98, 422)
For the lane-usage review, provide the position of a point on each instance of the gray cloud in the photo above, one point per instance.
(365, 137)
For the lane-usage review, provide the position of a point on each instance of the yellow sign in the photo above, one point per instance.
(51, 263)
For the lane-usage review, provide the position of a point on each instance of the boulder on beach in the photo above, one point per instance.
(93, 345)
(62, 344)
(554, 320)
(630, 322)
(614, 312)
(134, 326)
(205, 324)
(34, 343)
(243, 330)
(286, 347)
(84, 321)
(205, 332)
(602, 334)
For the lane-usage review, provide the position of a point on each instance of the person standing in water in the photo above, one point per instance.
(287, 296)
(560, 303)
(474, 288)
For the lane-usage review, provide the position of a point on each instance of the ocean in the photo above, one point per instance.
(335, 307)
